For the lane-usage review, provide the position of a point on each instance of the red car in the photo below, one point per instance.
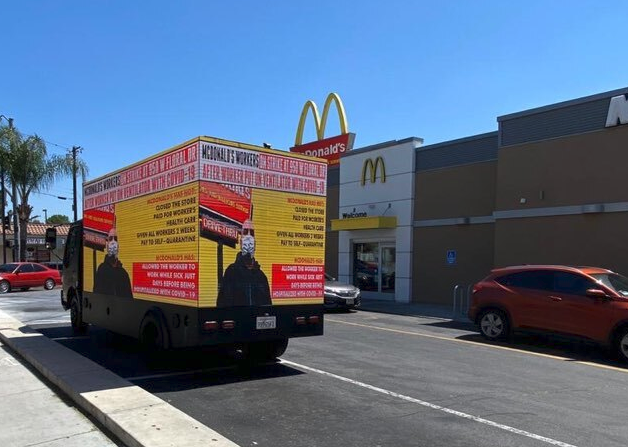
(586, 302)
(24, 275)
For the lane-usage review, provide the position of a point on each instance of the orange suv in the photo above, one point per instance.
(587, 302)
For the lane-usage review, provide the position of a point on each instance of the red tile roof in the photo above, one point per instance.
(37, 229)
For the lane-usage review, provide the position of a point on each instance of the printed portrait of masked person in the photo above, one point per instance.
(244, 282)
(111, 278)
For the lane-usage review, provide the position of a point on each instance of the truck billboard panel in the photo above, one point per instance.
(208, 224)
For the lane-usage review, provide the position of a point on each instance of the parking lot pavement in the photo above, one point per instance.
(33, 413)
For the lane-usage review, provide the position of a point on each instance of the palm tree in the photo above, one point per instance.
(28, 169)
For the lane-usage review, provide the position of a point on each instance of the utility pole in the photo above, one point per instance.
(75, 149)
(4, 199)
(15, 229)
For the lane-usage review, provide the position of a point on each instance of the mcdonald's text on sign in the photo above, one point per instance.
(329, 148)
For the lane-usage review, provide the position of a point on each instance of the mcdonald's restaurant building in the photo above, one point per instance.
(408, 222)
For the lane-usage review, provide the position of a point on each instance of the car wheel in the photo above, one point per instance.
(5, 287)
(494, 325)
(621, 344)
(49, 284)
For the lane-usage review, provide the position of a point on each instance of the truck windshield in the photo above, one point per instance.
(614, 281)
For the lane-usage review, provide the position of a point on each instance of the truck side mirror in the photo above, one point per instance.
(51, 238)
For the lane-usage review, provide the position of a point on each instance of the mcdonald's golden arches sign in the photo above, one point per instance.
(371, 167)
(329, 148)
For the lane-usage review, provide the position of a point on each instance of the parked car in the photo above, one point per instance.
(339, 295)
(54, 265)
(585, 302)
(24, 275)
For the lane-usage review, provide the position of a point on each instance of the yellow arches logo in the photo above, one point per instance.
(321, 122)
(371, 167)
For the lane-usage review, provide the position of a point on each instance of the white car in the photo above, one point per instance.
(340, 295)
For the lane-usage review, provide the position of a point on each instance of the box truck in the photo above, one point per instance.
(212, 242)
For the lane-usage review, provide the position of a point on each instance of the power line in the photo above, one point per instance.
(67, 148)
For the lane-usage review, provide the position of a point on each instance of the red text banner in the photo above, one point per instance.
(298, 281)
(242, 167)
(172, 169)
(166, 279)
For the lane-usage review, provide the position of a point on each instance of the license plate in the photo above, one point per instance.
(266, 322)
(349, 300)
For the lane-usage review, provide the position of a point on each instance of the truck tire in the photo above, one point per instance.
(265, 351)
(153, 335)
(76, 316)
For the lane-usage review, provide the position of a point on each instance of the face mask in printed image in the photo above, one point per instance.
(248, 245)
(112, 248)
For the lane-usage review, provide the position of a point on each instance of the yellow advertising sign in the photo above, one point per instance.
(209, 223)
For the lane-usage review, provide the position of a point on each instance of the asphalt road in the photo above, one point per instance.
(376, 380)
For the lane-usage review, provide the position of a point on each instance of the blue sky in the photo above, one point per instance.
(126, 79)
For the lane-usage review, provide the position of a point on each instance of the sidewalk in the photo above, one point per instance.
(32, 414)
(439, 311)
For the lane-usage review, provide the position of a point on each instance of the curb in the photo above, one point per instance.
(136, 417)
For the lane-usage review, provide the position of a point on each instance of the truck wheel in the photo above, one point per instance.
(152, 336)
(76, 316)
(265, 351)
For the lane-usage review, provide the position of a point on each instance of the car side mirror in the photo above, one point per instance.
(597, 293)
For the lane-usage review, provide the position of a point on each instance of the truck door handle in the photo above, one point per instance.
(555, 298)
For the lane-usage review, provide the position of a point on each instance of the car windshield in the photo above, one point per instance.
(7, 268)
(614, 281)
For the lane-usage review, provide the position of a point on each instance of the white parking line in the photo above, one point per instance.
(432, 406)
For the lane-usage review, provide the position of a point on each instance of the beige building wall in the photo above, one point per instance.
(443, 197)
(583, 239)
(467, 190)
(581, 169)
(434, 279)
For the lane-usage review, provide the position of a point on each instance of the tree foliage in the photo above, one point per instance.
(29, 168)
(56, 219)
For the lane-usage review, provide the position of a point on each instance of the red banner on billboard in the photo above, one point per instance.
(233, 203)
(298, 281)
(329, 148)
(167, 279)
(99, 219)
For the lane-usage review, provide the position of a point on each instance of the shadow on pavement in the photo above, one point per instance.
(557, 346)
(171, 371)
